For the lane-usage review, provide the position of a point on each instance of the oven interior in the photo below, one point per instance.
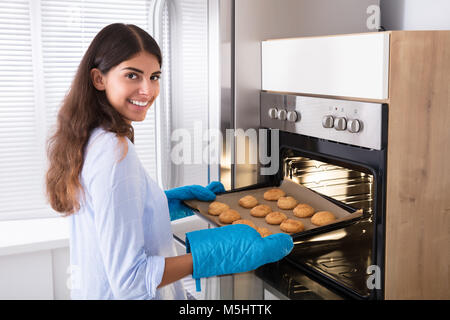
(340, 256)
(354, 188)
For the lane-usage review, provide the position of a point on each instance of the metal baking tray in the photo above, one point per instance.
(345, 215)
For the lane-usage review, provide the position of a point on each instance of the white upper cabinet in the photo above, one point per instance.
(354, 65)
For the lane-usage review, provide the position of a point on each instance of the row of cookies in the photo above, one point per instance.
(300, 210)
(227, 215)
(273, 217)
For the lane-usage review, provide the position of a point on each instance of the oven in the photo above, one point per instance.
(338, 149)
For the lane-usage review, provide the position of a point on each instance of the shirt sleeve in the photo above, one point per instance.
(118, 192)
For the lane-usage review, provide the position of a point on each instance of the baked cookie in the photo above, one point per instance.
(322, 218)
(229, 216)
(215, 208)
(287, 203)
(274, 194)
(292, 226)
(248, 202)
(245, 221)
(260, 211)
(263, 231)
(275, 217)
(303, 210)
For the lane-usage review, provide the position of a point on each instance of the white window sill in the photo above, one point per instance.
(21, 236)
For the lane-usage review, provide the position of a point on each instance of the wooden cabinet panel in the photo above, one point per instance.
(418, 177)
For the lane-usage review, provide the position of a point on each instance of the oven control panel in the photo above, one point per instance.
(351, 122)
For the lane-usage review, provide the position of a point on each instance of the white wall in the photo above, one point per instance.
(415, 14)
(36, 275)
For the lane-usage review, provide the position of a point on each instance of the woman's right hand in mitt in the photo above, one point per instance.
(233, 249)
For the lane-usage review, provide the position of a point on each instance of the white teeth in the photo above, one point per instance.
(139, 103)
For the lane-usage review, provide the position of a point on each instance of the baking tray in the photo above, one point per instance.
(344, 214)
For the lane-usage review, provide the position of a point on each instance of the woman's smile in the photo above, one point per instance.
(138, 103)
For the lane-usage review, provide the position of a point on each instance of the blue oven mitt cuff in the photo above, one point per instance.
(233, 249)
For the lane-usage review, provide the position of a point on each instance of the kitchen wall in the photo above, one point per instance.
(415, 14)
(257, 20)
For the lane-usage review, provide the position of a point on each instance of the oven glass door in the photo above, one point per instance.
(341, 259)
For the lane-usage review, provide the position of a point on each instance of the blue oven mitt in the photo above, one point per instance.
(233, 249)
(175, 197)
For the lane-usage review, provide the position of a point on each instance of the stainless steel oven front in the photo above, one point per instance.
(338, 149)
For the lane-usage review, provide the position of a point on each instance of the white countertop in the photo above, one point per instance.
(20, 236)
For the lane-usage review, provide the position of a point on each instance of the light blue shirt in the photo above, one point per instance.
(122, 232)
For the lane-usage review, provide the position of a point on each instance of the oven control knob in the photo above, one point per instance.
(282, 114)
(354, 125)
(328, 122)
(340, 124)
(292, 116)
(273, 113)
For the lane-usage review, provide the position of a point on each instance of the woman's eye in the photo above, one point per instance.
(132, 76)
(155, 77)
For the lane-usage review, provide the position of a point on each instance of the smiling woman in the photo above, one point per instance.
(100, 97)
(116, 211)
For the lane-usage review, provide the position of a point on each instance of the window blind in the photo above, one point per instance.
(165, 167)
(190, 88)
(68, 28)
(20, 150)
(41, 45)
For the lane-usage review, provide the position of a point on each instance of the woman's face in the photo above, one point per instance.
(132, 86)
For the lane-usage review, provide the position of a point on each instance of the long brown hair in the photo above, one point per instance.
(84, 108)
